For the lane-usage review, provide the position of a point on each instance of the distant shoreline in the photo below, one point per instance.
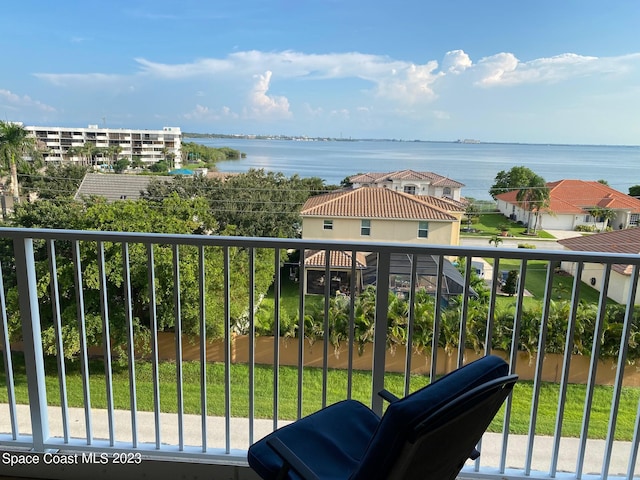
(293, 138)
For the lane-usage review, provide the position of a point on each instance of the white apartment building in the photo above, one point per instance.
(62, 144)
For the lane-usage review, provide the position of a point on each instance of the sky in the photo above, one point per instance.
(543, 71)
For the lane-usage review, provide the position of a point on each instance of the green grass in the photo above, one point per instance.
(536, 281)
(489, 224)
(312, 394)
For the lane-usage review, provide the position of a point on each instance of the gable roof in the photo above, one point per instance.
(616, 241)
(432, 178)
(578, 196)
(371, 202)
(115, 187)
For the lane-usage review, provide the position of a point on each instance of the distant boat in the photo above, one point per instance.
(467, 140)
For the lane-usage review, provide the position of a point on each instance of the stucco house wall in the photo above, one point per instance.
(382, 230)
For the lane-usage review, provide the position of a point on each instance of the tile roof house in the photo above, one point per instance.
(373, 214)
(376, 214)
(410, 181)
(616, 241)
(116, 187)
(570, 204)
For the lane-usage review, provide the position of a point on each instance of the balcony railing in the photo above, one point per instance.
(36, 263)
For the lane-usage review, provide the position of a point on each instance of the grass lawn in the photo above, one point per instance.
(536, 280)
(312, 394)
(489, 224)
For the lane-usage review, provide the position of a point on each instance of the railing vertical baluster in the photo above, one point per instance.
(8, 361)
(153, 314)
(57, 324)
(564, 381)
(82, 329)
(352, 321)
(276, 336)
(488, 343)
(488, 338)
(106, 342)
(593, 367)
(252, 343)
(437, 318)
(203, 346)
(462, 338)
(301, 332)
(410, 322)
(325, 326)
(633, 455)
(622, 358)
(227, 349)
(537, 382)
(380, 330)
(131, 352)
(513, 358)
(32, 340)
(177, 309)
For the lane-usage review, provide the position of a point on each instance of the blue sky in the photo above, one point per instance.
(544, 71)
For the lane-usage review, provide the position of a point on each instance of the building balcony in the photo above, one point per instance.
(101, 297)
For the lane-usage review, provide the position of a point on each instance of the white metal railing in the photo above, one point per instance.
(34, 260)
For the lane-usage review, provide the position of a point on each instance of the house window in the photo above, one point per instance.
(410, 189)
(328, 225)
(365, 227)
(423, 229)
(634, 220)
(446, 191)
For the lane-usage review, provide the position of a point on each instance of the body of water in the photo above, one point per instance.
(474, 165)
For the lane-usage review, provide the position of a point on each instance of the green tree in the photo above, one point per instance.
(533, 198)
(14, 144)
(57, 181)
(121, 165)
(513, 179)
(634, 191)
(169, 215)
(256, 203)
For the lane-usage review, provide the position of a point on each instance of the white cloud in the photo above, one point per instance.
(456, 61)
(15, 101)
(505, 69)
(201, 112)
(74, 79)
(410, 84)
(262, 105)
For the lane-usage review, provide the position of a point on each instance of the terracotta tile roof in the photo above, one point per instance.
(578, 196)
(433, 178)
(443, 203)
(371, 202)
(337, 259)
(616, 241)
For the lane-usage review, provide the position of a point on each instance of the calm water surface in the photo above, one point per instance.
(474, 165)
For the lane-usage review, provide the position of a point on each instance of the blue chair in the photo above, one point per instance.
(426, 435)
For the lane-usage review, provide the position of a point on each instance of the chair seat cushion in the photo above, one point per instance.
(340, 432)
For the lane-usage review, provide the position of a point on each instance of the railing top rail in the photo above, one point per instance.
(297, 244)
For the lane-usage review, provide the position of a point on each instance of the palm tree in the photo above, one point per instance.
(14, 143)
(534, 197)
(496, 240)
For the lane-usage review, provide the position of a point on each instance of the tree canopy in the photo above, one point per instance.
(254, 204)
(513, 179)
(169, 215)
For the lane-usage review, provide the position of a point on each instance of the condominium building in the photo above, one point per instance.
(69, 144)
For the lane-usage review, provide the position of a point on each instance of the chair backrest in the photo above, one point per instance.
(436, 428)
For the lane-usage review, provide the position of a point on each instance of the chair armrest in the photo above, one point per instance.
(388, 396)
(291, 460)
